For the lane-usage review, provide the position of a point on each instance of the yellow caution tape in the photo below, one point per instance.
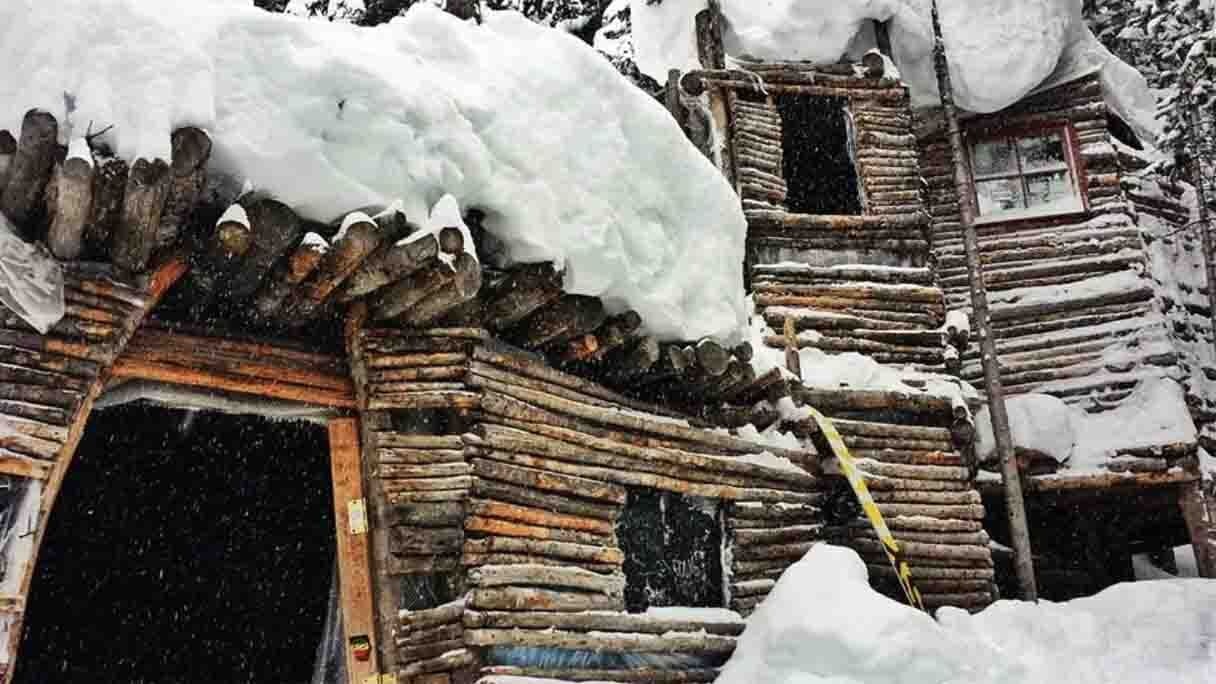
(902, 570)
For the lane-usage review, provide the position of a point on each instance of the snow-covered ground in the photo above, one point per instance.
(570, 161)
(823, 624)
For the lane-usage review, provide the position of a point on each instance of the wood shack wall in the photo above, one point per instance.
(515, 495)
(47, 387)
(1055, 343)
(867, 284)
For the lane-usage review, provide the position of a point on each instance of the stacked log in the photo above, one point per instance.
(893, 315)
(419, 371)
(48, 383)
(430, 643)
(759, 154)
(182, 355)
(766, 538)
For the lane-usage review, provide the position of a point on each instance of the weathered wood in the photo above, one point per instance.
(464, 274)
(109, 190)
(547, 576)
(426, 541)
(672, 642)
(356, 239)
(526, 496)
(73, 203)
(438, 514)
(438, 305)
(507, 528)
(550, 549)
(429, 650)
(494, 675)
(418, 620)
(550, 481)
(565, 318)
(191, 148)
(30, 167)
(475, 559)
(8, 147)
(276, 229)
(539, 516)
(354, 574)
(452, 660)
(289, 273)
(194, 377)
(641, 623)
(134, 237)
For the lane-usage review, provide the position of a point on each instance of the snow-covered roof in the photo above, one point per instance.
(999, 50)
(569, 161)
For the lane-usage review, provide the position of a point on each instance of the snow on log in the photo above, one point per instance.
(73, 201)
(662, 233)
(276, 229)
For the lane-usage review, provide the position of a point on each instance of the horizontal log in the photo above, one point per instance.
(550, 549)
(402, 456)
(753, 537)
(495, 674)
(539, 516)
(427, 618)
(828, 223)
(920, 572)
(550, 481)
(532, 598)
(597, 621)
(524, 495)
(431, 515)
(420, 540)
(672, 642)
(404, 494)
(453, 660)
(509, 528)
(547, 576)
(161, 372)
(439, 632)
(424, 651)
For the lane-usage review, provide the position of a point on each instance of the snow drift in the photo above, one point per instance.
(823, 624)
(570, 161)
(1000, 50)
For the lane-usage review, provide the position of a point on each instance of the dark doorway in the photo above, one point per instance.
(185, 547)
(818, 163)
(673, 551)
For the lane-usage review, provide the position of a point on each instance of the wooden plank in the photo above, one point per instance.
(272, 388)
(23, 466)
(354, 569)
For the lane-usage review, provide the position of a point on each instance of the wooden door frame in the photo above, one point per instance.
(313, 389)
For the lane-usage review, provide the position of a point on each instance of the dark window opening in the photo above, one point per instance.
(185, 547)
(818, 164)
(1120, 131)
(673, 551)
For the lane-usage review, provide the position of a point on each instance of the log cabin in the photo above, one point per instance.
(855, 245)
(555, 477)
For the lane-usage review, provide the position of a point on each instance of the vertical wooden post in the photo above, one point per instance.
(1205, 225)
(793, 362)
(712, 55)
(1197, 511)
(671, 96)
(1014, 502)
(354, 569)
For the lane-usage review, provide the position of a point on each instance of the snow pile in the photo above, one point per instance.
(31, 281)
(1000, 50)
(1040, 424)
(1154, 415)
(823, 624)
(570, 161)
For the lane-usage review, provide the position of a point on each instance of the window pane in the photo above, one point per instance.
(999, 195)
(1050, 189)
(1042, 152)
(993, 157)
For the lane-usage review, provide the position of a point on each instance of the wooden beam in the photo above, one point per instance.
(257, 368)
(354, 569)
(267, 387)
(1199, 512)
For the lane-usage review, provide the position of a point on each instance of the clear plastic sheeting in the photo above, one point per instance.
(330, 665)
(31, 281)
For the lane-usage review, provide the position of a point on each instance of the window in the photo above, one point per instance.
(1025, 175)
(818, 164)
(673, 551)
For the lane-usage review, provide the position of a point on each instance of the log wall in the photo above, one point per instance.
(1063, 290)
(519, 491)
(47, 387)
